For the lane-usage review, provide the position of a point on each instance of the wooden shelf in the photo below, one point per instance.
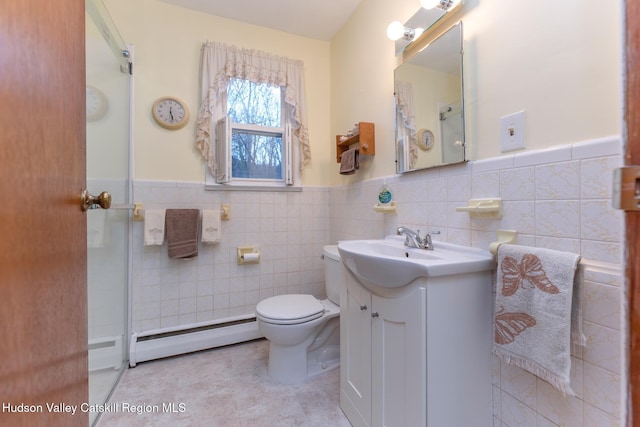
(365, 139)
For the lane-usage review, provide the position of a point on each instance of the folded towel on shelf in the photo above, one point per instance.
(154, 227)
(533, 315)
(97, 228)
(349, 161)
(210, 226)
(182, 232)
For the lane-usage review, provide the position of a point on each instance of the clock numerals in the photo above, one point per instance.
(170, 113)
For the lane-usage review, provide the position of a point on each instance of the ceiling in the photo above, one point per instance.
(317, 19)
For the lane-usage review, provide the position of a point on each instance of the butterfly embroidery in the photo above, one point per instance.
(528, 273)
(509, 325)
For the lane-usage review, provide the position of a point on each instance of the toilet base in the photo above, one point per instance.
(315, 355)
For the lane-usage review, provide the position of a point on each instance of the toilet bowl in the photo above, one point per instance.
(304, 332)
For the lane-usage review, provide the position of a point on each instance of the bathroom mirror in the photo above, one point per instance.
(430, 105)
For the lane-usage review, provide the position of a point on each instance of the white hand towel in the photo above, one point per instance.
(97, 236)
(533, 315)
(210, 226)
(153, 227)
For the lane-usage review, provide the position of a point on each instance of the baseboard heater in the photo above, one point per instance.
(159, 343)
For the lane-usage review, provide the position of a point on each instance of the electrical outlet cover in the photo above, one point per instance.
(512, 136)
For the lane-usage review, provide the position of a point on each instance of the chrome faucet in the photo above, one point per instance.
(413, 239)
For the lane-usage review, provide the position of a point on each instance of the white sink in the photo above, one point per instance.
(387, 263)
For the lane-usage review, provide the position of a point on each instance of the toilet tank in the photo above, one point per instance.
(334, 273)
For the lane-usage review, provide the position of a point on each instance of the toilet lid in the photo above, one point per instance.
(288, 309)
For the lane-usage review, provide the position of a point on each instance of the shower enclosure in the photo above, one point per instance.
(452, 131)
(108, 79)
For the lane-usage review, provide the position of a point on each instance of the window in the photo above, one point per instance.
(251, 127)
(253, 140)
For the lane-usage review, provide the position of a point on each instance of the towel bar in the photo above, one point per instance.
(225, 209)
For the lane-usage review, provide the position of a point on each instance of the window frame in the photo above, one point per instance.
(223, 132)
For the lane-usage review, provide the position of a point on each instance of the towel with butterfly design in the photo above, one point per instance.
(537, 311)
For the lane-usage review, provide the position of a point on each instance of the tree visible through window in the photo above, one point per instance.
(257, 130)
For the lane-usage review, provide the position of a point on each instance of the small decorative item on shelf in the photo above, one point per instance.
(384, 195)
(385, 202)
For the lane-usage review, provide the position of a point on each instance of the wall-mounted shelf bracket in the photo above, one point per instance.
(504, 236)
(483, 208)
(388, 208)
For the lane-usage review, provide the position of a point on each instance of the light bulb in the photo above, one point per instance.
(395, 30)
(429, 4)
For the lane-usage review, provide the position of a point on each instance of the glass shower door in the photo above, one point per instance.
(108, 153)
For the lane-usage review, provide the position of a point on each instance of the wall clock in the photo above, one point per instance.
(170, 112)
(425, 139)
(97, 104)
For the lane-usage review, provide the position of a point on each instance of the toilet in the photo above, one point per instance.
(304, 332)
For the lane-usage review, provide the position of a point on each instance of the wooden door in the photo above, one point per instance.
(632, 118)
(43, 292)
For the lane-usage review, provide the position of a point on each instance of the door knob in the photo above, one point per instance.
(87, 201)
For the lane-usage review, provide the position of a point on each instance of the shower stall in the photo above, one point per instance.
(452, 132)
(109, 81)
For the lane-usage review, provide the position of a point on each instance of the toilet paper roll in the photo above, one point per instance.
(251, 257)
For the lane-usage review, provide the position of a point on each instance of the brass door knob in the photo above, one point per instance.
(87, 201)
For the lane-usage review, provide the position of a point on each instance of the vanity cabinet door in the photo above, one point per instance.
(355, 353)
(399, 360)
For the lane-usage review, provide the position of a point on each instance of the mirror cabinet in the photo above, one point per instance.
(429, 97)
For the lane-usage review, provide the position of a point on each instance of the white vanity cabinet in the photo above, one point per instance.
(383, 352)
(418, 355)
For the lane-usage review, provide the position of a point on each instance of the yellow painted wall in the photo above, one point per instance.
(167, 42)
(561, 63)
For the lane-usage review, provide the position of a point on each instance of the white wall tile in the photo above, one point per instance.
(557, 198)
(558, 218)
(517, 184)
(557, 181)
(540, 157)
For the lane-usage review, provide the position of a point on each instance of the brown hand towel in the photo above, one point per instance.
(349, 161)
(181, 227)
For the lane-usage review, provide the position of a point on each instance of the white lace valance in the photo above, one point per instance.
(406, 119)
(221, 63)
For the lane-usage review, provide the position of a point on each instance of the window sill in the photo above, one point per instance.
(231, 187)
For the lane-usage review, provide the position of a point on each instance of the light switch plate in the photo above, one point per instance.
(512, 130)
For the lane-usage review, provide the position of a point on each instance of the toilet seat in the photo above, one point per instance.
(289, 309)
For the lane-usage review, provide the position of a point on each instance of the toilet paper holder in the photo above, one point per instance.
(248, 255)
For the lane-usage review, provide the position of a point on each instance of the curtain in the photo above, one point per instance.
(406, 121)
(221, 63)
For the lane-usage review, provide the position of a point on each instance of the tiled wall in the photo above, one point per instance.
(289, 228)
(558, 199)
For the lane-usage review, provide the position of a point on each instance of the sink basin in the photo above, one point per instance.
(387, 263)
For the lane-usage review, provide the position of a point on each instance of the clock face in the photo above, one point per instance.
(425, 139)
(170, 113)
(96, 104)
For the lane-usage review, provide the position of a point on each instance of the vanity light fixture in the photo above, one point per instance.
(396, 31)
(440, 4)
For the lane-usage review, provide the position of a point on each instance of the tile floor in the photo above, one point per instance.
(224, 387)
